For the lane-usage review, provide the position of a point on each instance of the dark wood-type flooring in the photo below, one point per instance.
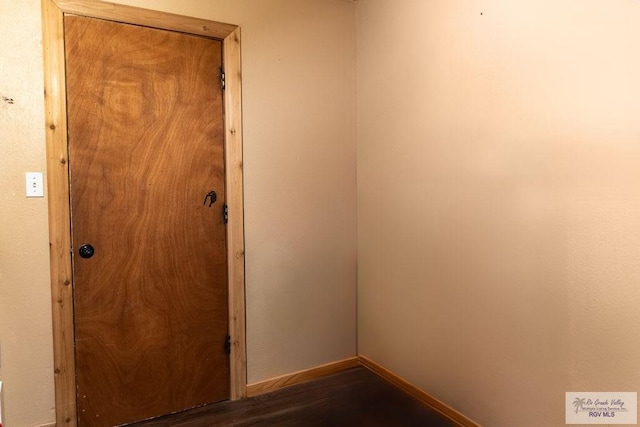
(356, 397)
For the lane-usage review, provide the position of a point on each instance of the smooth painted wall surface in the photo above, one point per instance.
(499, 200)
(26, 352)
(300, 191)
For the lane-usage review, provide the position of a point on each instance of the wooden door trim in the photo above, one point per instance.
(53, 12)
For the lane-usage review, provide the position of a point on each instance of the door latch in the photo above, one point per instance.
(211, 197)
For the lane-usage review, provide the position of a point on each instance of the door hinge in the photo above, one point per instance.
(227, 344)
(223, 82)
(225, 214)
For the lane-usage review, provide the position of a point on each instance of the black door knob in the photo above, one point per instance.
(86, 251)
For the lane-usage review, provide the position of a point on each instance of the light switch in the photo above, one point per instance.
(35, 184)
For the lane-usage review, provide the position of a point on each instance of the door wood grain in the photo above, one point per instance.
(146, 145)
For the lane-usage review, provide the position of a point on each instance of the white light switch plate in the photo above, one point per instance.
(35, 184)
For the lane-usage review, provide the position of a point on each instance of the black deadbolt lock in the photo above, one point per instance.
(86, 251)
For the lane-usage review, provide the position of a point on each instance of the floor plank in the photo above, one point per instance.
(356, 397)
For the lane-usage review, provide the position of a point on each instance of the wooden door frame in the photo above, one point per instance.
(53, 12)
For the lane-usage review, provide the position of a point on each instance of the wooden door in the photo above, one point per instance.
(145, 152)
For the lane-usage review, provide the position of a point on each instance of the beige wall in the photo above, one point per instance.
(499, 200)
(26, 359)
(300, 182)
